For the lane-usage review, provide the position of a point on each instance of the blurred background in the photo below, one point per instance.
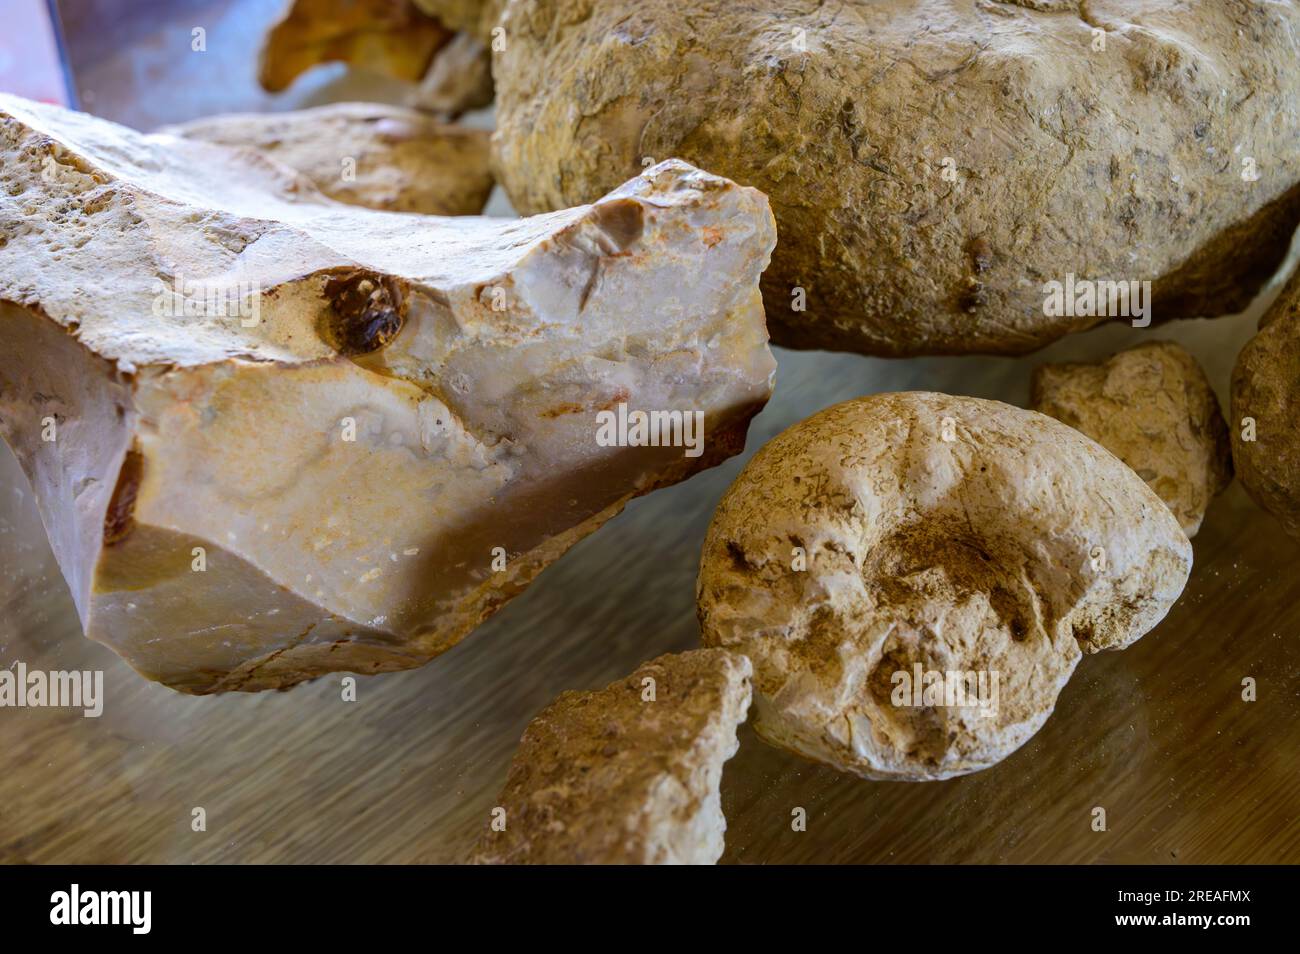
(1158, 734)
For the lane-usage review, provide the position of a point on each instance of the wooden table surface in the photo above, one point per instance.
(1158, 735)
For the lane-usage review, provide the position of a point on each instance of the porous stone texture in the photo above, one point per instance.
(1152, 407)
(381, 157)
(391, 37)
(628, 774)
(1266, 409)
(293, 436)
(898, 536)
(933, 164)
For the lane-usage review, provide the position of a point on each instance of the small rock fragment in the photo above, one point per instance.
(380, 157)
(1152, 407)
(388, 36)
(628, 774)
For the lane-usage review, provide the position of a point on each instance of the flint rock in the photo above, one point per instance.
(273, 436)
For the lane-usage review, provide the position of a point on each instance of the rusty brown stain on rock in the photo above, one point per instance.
(573, 407)
(119, 519)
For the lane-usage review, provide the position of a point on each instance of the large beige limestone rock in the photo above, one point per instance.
(1266, 411)
(628, 774)
(934, 164)
(291, 436)
(914, 577)
(1152, 407)
(381, 157)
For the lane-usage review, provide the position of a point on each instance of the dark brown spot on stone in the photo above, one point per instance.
(622, 221)
(738, 559)
(365, 312)
(973, 296)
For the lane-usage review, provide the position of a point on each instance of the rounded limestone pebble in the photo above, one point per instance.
(1152, 407)
(914, 577)
(1265, 408)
